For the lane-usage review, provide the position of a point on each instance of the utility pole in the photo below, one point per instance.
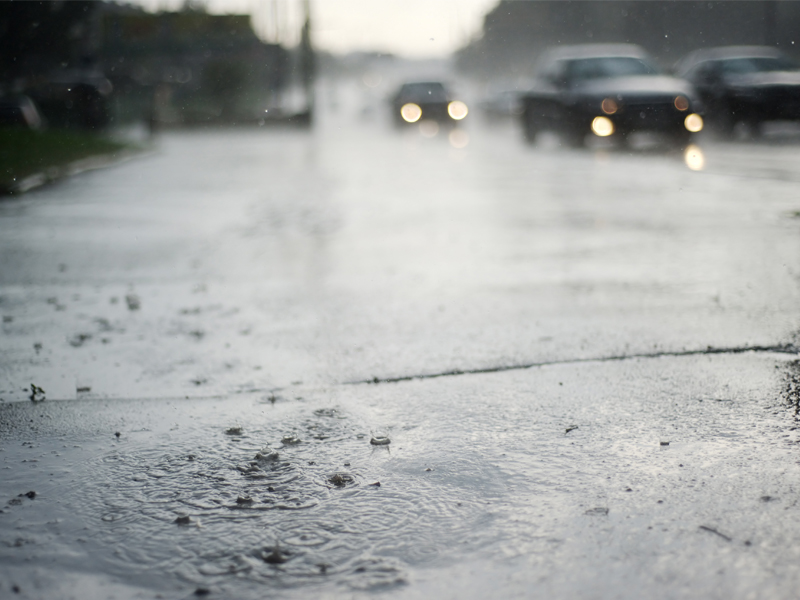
(307, 62)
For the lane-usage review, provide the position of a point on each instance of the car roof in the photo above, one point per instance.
(410, 84)
(725, 52)
(594, 51)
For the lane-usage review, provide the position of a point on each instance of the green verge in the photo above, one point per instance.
(24, 153)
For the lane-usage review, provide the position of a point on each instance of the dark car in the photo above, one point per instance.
(609, 91)
(744, 84)
(426, 101)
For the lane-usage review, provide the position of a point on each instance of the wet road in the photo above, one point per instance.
(258, 279)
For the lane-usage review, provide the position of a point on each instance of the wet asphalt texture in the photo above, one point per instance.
(584, 362)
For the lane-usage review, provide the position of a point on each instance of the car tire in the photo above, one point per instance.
(724, 123)
(753, 129)
(573, 137)
(530, 126)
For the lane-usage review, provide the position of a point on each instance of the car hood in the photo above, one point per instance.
(769, 78)
(631, 87)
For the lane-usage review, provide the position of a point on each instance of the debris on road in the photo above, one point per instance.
(133, 302)
(274, 556)
(340, 479)
(266, 454)
(597, 511)
(37, 393)
(79, 339)
(714, 531)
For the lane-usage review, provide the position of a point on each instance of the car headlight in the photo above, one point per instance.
(602, 126)
(457, 110)
(609, 106)
(411, 112)
(693, 123)
(681, 103)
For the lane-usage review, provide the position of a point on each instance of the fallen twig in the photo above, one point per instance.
(712, 530)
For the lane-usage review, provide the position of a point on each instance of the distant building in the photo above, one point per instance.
(177, 47)
(516, 32)
(202, 67)
(87, 64)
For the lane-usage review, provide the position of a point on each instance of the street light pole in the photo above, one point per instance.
(307, 62)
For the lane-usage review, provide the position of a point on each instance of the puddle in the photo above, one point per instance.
(256, 505)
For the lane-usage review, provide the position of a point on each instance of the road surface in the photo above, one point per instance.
(586, 362)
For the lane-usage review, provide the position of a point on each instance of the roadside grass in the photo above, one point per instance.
(24, 153)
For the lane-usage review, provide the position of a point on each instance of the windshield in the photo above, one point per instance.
(610, 66)
(430, 92)
(741, 66)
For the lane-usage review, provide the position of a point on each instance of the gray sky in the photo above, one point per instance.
(415, 28)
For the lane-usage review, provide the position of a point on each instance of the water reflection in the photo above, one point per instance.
(428, 128)
(458, 138)
(694, 158)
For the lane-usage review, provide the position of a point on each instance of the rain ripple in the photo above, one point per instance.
(291, 503)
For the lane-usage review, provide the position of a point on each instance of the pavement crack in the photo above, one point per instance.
(714, 531)
(710, 350)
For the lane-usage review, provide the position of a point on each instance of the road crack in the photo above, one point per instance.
(708, 351)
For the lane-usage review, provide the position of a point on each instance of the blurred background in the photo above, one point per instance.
(136, 67)
(159, 63)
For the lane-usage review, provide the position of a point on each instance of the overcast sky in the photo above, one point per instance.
(415, 28)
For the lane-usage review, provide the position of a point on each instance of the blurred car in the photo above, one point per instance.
(609, 91)
(426, 101)
(744, 84)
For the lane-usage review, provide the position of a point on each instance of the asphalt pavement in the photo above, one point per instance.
(585, 361)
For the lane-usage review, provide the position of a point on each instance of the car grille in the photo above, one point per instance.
(642, 114)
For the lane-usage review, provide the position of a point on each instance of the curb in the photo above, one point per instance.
(82, 165)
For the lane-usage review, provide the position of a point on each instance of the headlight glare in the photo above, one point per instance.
(602, 126)
(411, 112)
(693, 123)
(457, 110)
